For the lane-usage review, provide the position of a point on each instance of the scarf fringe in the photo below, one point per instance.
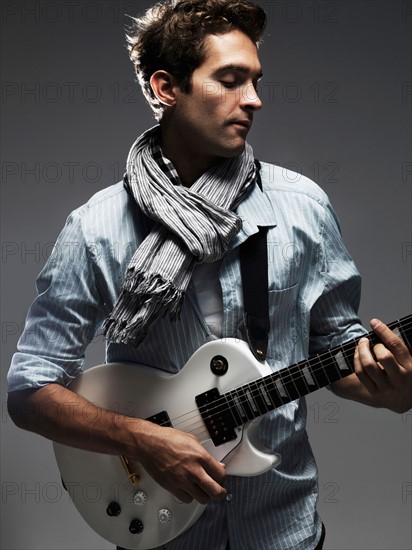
(159, 272)
(151, 297)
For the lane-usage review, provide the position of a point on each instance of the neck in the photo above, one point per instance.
(189, 164)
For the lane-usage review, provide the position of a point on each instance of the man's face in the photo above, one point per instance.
(214, 119)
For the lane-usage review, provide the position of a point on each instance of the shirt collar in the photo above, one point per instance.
(256, 211)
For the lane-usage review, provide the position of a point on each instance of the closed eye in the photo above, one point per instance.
(229, 84)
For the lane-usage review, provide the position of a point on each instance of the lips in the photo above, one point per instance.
(244, 123)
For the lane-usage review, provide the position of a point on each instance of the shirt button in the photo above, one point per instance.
(229, 497)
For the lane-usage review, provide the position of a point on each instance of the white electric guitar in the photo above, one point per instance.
(219, 396)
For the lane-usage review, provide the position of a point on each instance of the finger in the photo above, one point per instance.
(368, 371)
(388, 362)
(393, 343)
(212, 478)
(215, 469)
(366, 380)
(183, 496)
(198, 494)
(192, 491)
(209, 488)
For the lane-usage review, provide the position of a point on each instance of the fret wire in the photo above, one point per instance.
(260, 398)
(266, 396)
(305, 381)
(294, 381)
(336, 374)
(230, 408)
(315, 371)
(238, 399)
(243, 396)
(253, 399)
(349, 344)
(347, 349)
(280, 388)
(349, 352)
(302, 381)
(280, 378)
(268, 393)
(323, 370)
(274, 389)
(337, 365)
(299, 380)
(254, 410)
(306, 364)
(245, 402)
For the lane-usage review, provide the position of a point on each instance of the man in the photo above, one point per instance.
(195, 176)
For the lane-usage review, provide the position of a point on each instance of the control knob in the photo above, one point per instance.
(139, 498)
(136, 527)
(165, 516)
(113, 509)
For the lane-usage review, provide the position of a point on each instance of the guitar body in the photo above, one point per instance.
(97, 481)
(219, 396)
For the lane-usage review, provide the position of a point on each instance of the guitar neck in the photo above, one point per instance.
(270, 392)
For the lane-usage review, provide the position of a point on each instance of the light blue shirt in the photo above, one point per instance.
(314, 292)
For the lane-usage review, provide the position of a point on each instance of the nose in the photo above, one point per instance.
(250, 98)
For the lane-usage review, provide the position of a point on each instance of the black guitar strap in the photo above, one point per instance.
(254, 271)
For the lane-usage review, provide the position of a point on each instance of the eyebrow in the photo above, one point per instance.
(236, 68)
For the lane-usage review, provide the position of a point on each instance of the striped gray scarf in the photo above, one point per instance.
(195, 225)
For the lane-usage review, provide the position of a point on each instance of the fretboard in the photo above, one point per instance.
(270, 392)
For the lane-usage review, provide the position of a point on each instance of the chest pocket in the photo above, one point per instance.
(285, 255)
(283, 307)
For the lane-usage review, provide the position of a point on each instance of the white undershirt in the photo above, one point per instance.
(209, 295)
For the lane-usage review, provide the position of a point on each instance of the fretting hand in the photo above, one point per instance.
(387, 372)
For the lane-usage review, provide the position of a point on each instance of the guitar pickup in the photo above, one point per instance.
(217, 416)
(162, 419)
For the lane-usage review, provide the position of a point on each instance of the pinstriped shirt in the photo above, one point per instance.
(314, 292)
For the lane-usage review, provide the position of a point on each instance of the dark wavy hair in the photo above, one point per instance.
(170, 37)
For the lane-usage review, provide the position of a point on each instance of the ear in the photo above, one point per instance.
(163, 86)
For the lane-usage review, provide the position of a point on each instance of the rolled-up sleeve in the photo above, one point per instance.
(64, 317)
(334, 317)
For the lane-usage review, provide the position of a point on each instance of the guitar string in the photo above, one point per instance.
(218, 403)
(270, 386)
(291, 378)
(222, 403)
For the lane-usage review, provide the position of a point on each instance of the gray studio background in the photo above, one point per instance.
(337, 98)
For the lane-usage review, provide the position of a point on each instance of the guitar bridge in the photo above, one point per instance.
(217, 416)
